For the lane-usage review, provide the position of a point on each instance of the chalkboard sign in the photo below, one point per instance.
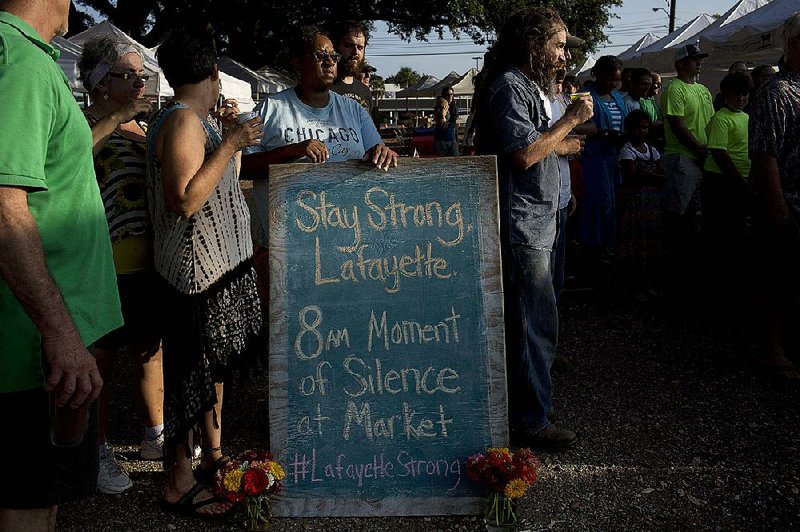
(387, 365)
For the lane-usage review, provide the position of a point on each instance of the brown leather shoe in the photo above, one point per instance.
(551, 438)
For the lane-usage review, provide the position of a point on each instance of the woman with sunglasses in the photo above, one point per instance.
(308, 123)
(113, 73)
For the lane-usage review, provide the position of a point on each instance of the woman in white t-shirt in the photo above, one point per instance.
(639, 209)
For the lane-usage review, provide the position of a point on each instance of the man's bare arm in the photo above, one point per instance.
(72, 369)
(685, 136)
(577, 113)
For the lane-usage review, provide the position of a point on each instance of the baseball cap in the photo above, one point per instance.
(366, 67)
(574, 42)
(689, 50)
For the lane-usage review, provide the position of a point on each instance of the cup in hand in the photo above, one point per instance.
(245, 117)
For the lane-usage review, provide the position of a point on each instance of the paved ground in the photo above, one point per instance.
(678, 432)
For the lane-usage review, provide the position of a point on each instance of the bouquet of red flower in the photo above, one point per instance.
(507, 475)
(252, 478)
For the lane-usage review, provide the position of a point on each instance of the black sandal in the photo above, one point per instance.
(186, 505)
(206, 474)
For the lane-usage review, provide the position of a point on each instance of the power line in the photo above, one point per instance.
(429, 53)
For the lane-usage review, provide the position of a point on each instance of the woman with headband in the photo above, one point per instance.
(113, 73)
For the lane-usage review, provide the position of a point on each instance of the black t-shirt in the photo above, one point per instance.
(356, 91)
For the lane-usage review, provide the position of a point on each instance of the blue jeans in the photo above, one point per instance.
(533, 334)
(559, 253)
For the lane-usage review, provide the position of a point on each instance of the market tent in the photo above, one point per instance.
(421, 88)
(730, 18)
(275, 78)
(260, 86)
(584, 70)
(238, 89)
(156, 86)
(68, 61)
(660, 56)
(755, 38)
(646, 40)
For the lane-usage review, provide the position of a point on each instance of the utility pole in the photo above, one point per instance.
(477, 63)
(672, 15)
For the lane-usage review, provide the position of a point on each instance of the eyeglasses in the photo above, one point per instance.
(320, 56)
(129, 76)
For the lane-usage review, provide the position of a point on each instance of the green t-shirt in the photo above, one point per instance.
(648, 105)
(693, 103)
(46, 147)
(727, 131)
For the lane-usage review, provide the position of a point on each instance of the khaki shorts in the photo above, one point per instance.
(681, 193)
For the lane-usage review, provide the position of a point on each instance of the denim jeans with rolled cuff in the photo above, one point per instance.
(532, 332)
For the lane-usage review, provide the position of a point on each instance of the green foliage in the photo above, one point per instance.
(255, 32)
(404, 77)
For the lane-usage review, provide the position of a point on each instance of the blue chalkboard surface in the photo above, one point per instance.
(386, 347)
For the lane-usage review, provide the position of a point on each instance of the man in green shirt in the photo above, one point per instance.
(687, 108)
(57, 287)
(726, 195)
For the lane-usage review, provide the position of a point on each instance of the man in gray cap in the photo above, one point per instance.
(687, 107)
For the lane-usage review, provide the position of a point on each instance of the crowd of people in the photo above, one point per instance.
(124, 229)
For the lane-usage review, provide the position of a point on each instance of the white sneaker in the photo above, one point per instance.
(111, 479)
(154, 449)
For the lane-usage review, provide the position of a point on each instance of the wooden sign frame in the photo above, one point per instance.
(484, 171)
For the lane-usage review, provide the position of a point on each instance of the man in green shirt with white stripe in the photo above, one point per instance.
(57, 288)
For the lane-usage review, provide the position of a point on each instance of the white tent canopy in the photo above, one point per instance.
(729, 19)
(157, 85)
(755, 37)
(661, 54)
(68, 61)
(275, 78)
(583, 72)
(260, 86)
(646, 40)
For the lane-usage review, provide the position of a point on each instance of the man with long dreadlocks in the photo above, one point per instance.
(519, 77)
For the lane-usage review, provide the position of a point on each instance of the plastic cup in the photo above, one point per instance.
(578, 95)
(245, 117)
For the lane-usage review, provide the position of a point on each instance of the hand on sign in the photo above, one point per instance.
(382, 157)
(315, 150)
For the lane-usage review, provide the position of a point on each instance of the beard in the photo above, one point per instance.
(545, 75)
(348, 66)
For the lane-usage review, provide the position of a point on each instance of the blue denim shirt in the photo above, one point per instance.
(512, 116)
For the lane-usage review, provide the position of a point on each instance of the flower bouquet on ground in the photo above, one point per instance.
(507, 476)
(251, 479)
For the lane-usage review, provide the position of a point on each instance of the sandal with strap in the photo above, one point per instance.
(187, 506)
(206, 474)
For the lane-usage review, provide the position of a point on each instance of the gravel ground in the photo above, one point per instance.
(678, 432)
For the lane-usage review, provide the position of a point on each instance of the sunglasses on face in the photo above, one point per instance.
(321, 56)
(129, 76)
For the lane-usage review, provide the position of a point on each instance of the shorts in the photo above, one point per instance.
(681, 193)
(137, 295)
(36, 474)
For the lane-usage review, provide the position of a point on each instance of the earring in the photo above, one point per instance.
(105, 96)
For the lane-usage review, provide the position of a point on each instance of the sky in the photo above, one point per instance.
(388, 53)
